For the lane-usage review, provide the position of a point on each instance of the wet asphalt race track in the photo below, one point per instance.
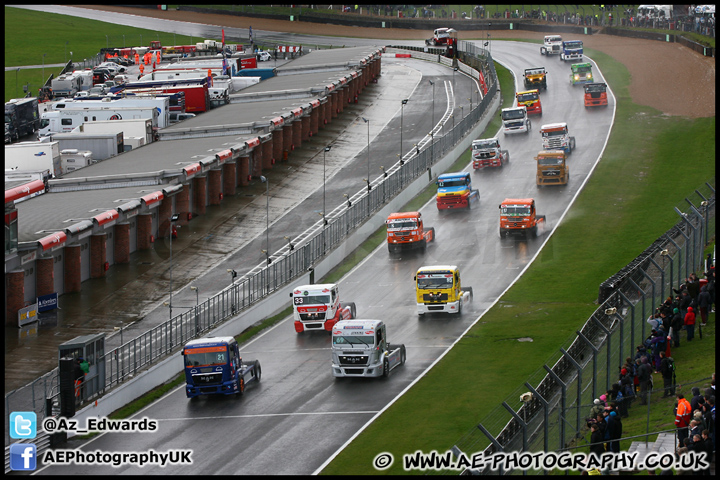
(299, 415)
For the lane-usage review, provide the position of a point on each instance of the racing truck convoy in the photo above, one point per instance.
(571, 50)
(405, 230)
(581, 73)
(438, 289)
(360, 349)
(535, 78)
(552, 168)
(455, 191)
(551, 45)
(515, 120)
(318, 307)
(555, 136)
(595, 94)
(213, 366)
(518, 216)
(530, 99)
(486, 152)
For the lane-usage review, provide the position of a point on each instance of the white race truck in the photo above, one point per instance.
(318, 307)
(515, 120)
(552, 45)
(360, 349)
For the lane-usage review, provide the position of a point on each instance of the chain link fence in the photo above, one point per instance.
(548, 412)
(125, 361)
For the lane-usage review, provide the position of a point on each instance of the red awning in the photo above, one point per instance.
(53, 240)
(297, 112)
(315, 103)
(277, 121)
(253, 143)
(153, 198)
(106, 217)
(24, 190)
(191, 170)
(224, 155)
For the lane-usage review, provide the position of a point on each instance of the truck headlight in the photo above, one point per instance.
(577, 77)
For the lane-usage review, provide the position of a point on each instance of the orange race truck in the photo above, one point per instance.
(595, 94)
(518, 216)
(405, 230)
(531, 100)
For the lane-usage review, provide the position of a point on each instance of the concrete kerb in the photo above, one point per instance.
(170, 367)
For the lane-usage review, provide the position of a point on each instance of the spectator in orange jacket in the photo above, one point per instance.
(682, 417)
(690, 323)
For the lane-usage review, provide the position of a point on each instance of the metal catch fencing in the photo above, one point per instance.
(546, 413)
(125, 361)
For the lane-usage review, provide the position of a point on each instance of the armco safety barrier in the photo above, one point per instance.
(136, 355)
(548, 411)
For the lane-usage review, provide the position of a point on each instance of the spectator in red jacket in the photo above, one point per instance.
(690, 323)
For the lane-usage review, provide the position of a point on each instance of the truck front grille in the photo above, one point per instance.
(353, 360)
(435, 297)
(312, 316)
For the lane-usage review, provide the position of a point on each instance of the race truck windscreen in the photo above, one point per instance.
(205, 356)
(513, 114)
(431, 281)
(402, 225)
(453, 182)
(526, 97)
(486, 145)
(584, 69)
(534, 71)
(515, 210)
(544, 160)
(312, 300)
(573, 45)
(594, 88)
(355, 340)
(553, 133)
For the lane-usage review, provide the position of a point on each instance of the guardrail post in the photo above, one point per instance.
(561, 412)
(493, 440)
(672, 261)
(579, 388)
(546, 420)
(608, 355)
(522, 423)
(594, 360)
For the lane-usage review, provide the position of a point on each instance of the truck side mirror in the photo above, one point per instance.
(290, 294)
(415, 277)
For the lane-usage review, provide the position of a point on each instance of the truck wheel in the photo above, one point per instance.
(402, 355)
(353, 310)
(572, 143)
(386, 368)
(529, 126)
(460, 303)
(432, 237)
(507, 156)
(258, 370)
(542, 50)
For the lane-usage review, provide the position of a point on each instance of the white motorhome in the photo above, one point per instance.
(131, 128)
(66, 85)
(162, 104)
(65, 121)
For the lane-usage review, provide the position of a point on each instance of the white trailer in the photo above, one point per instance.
(160, 103)
(234, 84)
(33, 156)
(102, 145)
(140, 127)
(66, 85)
(176, 74)
(65, 121)
(72, 159)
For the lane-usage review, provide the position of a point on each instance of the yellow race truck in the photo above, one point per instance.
(552, 168)
(438, 289)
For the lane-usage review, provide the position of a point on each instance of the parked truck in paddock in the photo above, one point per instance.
(318, 307)
(455, 191)
(486, 152)
(360, 349)
(438, 289)
(595, 95)
(405, 230)
(581, 73)
(571, 50)
(552, 168)
(551, 45)
(515, 120)
(213, 366)
(535, 78)
(21, 118)
(555, 136)
(530, 99)
(518, 217)
(33, 157)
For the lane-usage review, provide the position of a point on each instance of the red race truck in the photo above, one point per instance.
(405, 230)
(518, 216)
(318, 307)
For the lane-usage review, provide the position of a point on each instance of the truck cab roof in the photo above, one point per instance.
(448, 176)
(399, 215)
(315, 288)
(438, 269)
(202, 342)
(356, 325)
(549, 127)
(518, 201)
(535, 71)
